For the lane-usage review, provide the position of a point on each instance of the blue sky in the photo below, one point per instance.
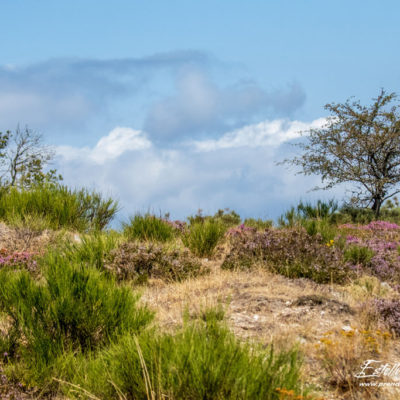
(179, 105)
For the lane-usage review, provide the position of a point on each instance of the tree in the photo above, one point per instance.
(23, 159)
(360, 145)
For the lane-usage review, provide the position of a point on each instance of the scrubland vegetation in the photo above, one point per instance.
(208, 308)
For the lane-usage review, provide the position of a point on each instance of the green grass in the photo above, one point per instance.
(58, 207)
(203, 360)
(203, 237)
(148, 228)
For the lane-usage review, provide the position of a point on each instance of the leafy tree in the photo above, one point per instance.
(23, 159)
(360, 145)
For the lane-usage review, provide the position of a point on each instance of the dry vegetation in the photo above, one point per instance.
(333, 321)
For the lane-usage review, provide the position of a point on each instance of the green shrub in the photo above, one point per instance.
(203, 360)
(226, 217)
(141, 261)
(323, 227)
(359, 255)
(321, 210)
(74, 309)
(92, 249)
(349, 213)
(57, 207)
(203, 237)
(259, 224)
(148, 227)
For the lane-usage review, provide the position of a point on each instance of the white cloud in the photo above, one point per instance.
(112, 146)
(266, 133)
(183, 180)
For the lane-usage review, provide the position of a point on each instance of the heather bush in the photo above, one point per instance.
(139, 261)
(202, 238)
(18, 260)
(389, 311)
(73, 309)
(378, 248)
(148, 227)
(203, 360)
(291, 252)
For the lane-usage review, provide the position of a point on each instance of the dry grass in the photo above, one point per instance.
(259, 304)
(267, 308)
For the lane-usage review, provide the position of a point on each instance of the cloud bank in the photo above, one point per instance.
(242, 176)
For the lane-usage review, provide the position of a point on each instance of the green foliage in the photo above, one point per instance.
(92, 249)
(141, 261)
(226, 217)
(357, 144)
(321, 210)
(359, 255)
(74, 309)
(203, 360)
(24, 159)
(59, 206)
(323, 227)
(148, 227)
(259, 224)
(317, 219)
(356, 215)
(203, 237)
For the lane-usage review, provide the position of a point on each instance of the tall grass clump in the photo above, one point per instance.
(59, 206)
(321, 210)
(203, 360)
(202, 238)
(92, 249)
(359, 255)
(75, 309)
(148, 228)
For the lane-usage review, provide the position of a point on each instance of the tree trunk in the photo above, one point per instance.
(376, 206)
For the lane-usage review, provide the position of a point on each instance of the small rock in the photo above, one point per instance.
(347, 328)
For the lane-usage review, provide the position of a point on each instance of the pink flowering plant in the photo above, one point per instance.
(379, 241)
(18, 259)
(291, 252)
